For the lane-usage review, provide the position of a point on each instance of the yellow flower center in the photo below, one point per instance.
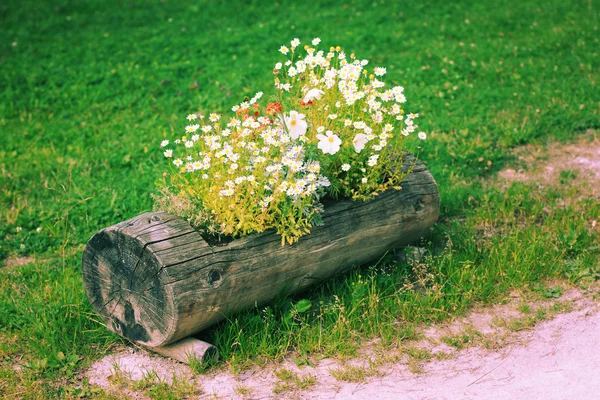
(330, 140)
(293, 123)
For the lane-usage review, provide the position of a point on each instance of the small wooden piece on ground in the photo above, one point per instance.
(188, 349)
(155, 280)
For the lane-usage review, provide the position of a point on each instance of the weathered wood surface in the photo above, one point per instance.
(188, 349)
(155, 280)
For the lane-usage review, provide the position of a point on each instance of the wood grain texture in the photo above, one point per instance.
(187, 349)
(155, 280)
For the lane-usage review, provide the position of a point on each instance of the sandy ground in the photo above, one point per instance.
(558, 359)
(544, 164)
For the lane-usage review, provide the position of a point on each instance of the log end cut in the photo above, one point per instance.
(122, 274)
(189, 350)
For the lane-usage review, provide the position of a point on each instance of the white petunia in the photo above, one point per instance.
(329, 143)
(296, 125)
(422, 135)
(359, 142)
(313, 94)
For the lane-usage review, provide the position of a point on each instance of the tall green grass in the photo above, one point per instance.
(88, 89)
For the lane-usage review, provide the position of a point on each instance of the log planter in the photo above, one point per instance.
(154, 280)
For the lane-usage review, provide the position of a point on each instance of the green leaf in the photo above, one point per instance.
(303, 306)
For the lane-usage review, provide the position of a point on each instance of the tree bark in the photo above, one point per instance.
(155, 280)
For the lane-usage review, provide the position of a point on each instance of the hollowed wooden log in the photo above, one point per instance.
(155, 280)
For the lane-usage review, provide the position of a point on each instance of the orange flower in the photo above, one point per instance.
(273, 108)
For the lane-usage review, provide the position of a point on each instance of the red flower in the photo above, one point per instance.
(273, 108)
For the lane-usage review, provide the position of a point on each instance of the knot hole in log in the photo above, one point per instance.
(214, 278)
(418, 205)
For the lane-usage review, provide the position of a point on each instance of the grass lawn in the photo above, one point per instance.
(88, 89)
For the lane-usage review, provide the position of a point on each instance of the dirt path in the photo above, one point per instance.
(560, 361)
(556, 359)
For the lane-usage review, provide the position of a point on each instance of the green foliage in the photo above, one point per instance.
(88, 90)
